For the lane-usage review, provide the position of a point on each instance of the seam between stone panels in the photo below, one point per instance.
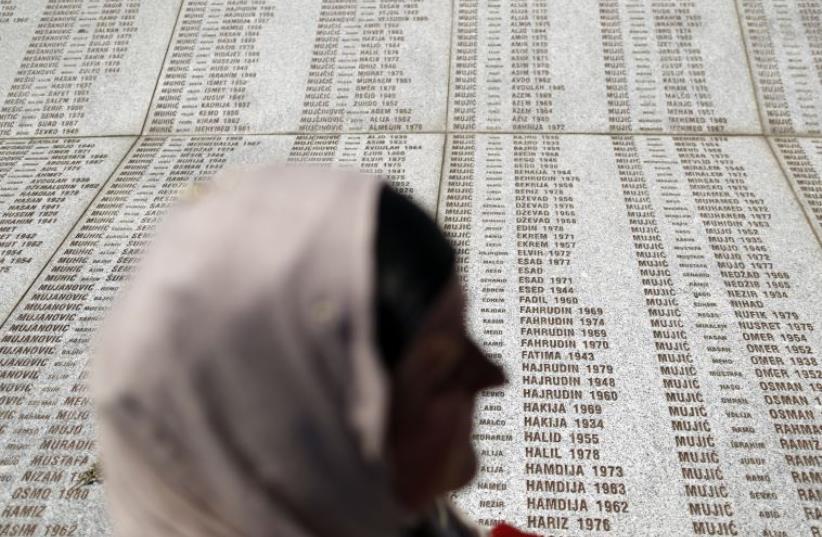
(71, 230)
(616, 133)
(447, 111)
(811, 221)
(72, 137)
(442, 176)
(428, 132)
(813, 136)
(763, 126)
(162, 66)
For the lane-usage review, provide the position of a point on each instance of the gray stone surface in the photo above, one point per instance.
(311, 66)
(47, 422)
(600, 66)
(45, 185)
(784, 39)
(801, 159)
(655, 302)
(654, 298)
(81, 68)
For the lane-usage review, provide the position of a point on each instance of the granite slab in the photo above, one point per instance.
(45, 185)
(784, 42)
(47, 432)
(83, 68)
(581, 66)
(801, 159)
(655, 303)
(308, 66)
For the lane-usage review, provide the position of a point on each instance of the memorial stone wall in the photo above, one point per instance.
(634, 189)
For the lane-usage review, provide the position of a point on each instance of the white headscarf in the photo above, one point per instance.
(237, 380)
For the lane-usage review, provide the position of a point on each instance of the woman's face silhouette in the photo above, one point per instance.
(434, 391)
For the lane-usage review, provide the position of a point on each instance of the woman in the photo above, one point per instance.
(290, 359)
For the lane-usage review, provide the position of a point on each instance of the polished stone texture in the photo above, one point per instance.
(633, 188)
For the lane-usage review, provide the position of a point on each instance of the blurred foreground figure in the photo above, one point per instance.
(290, 359)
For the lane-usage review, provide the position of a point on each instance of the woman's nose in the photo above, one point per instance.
(494, 375)
(486, 374)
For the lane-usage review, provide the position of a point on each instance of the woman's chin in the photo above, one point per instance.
(466, 469)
